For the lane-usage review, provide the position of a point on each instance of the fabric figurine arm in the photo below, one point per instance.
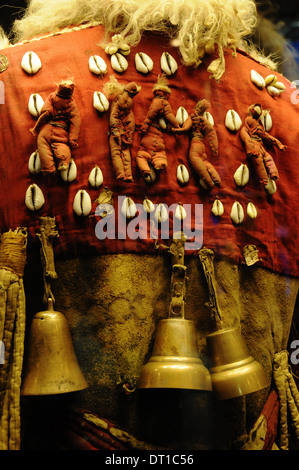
(75, 124)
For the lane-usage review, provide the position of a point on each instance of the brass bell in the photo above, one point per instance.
(51, 366)
(234, 372)
(175, 361)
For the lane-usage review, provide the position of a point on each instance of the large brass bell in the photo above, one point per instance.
(51, 366)
(234, 372)
(175, 361)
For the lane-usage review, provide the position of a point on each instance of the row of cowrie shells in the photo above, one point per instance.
(129, 210)
(237, 212)
(272, 85)
(143, 63)
(69, 175)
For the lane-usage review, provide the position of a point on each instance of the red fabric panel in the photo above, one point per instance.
(275, 231)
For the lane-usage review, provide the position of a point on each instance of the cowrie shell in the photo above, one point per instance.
(82, 203)
(232, 120)
(208, 116)
(271, 187)
(168, 63)
(161, 213)
(35, 104)
(124, 49)
(182, 174)
(70, 174)
(128, 208)
(266, 120)
(117, 38)
(148, 205)
(34, 198)
(111, 49)
(143, 63)
(31, 63)
(217, 208)
(251, 210)
(97, 65)
(273, 91)
(180, 212)
(34, 163)
(150, 178)
(280, 86)
(181, 115)
(257, 79)
(119, 63)
(270, 80)
(237, 213)
(162, 123)
(100, 102)
(241, 175)
(95, 178)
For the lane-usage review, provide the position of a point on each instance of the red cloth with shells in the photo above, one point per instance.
(275, 231)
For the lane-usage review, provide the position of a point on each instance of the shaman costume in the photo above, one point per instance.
(114, 290)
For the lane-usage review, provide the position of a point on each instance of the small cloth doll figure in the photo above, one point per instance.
(200, 128)
(152, 148)
(122, 126)
(57, 128)
(253, 135)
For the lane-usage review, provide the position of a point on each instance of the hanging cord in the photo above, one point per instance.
(178, 276)
(47, 235)
(12, 333)
(206, 257)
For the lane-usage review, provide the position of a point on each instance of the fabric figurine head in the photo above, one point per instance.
(65, 89)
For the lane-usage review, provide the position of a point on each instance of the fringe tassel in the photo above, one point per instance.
(12, 333)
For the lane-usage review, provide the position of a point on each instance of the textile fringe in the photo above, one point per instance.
(12, 334)
(47, 235)
(68, 29)
(87, 431)
(288, 397)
